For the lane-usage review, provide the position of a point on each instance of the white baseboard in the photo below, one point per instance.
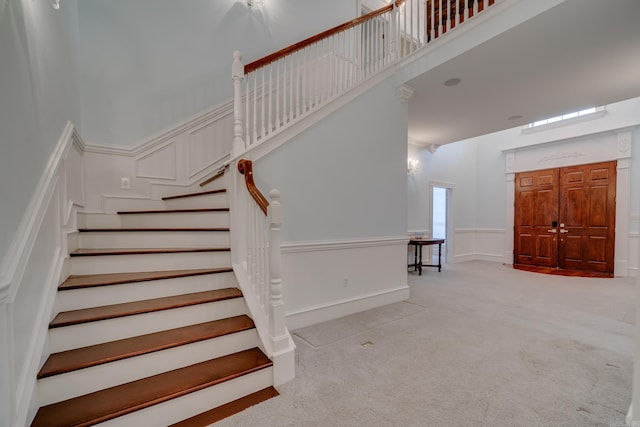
(323, 312)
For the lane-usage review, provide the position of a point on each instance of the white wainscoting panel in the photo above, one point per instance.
(33, 271)
(634, 254)
(325, 280)
(176, 159)
(160, 163)
(209, 144)
(484, 244)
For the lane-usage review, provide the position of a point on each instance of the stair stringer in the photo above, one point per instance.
(281, 350)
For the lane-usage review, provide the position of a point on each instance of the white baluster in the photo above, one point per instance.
(247, 101)
(440, 18)
(291, 86)
(254, 101)
(237, 74)
(278, 121)
(263, 71)
(432, 20)
(270, 123)
(476, 8)
(285, 115)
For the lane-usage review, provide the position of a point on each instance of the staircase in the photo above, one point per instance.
(151, 328)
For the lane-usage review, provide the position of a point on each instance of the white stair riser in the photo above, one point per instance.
(186, 406)
(105, 264)
(72, 384)
(75, 299)
(176, 220)
(153, 239)
(82, 335)
(217, 200)
(98, 220)
(113, 204)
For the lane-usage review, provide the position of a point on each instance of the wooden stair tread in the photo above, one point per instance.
(86, 230)
(140, 251)
(201, 193)
(93, 280)
(228, 409)
(159, 211)
(71, 360)
(93, 314)
(107, 404)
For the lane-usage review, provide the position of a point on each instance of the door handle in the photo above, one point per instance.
(553, 230)
(564, 231)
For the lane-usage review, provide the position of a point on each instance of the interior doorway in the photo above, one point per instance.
(440, 214)
(565, 218)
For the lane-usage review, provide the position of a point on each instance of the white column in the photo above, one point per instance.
(623, 203)
(510, 198)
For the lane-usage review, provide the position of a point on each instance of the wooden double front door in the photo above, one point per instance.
(565, 218)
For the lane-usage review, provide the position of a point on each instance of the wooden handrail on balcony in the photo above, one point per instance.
(323, 35)
(245, 167)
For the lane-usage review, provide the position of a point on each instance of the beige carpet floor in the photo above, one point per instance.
(479, 344)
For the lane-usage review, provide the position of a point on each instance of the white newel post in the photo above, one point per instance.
(237, 74)
(276, 304)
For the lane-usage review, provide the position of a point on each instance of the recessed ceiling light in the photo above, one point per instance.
(516, 117)
(452, 82)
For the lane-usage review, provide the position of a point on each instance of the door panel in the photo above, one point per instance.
(587, 210)
(536, 207)
(580, 200)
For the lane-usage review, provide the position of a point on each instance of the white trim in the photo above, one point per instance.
(14, 264)
(529, 145)
(330, 245)
(442, 184)
(308, 316)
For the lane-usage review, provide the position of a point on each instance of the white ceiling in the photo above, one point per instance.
(579, 54)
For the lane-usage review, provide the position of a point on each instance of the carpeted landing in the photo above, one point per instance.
(478, 344)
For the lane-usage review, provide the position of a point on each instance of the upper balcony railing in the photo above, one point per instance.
(273, 92)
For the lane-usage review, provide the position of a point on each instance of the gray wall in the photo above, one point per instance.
(147, 65)
(345, 176)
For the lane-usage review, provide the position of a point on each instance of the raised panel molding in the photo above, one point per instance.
(208, 144)
(159, 163)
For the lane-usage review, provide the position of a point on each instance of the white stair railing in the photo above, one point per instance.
(257, 263)
(274, 92)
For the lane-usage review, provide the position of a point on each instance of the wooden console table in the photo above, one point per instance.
(417, 244)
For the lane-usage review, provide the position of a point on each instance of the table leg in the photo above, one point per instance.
(439, 257)
(420, 263)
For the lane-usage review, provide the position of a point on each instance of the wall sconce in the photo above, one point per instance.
(55, 4)
(412, 165)
(255, 2)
